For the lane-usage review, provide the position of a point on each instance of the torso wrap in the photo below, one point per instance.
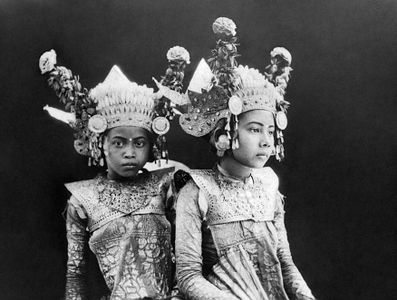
(129, 234)
(242, 234)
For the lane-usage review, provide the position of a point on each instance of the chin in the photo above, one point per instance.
(259, 164)
(128, 174)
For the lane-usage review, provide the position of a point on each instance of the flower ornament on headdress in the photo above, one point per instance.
(224, 90)
(223, 57)
(47, 61)
(278, 72)
(178, 57)
(178, 54)
(224, 26)
(114, 102)
(79, 106)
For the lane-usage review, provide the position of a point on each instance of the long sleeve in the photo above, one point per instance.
(294, 283)
(169, 194)
(77, 237)
(188, 248)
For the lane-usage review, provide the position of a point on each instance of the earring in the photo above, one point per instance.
(273, 152)
(235, 143)
(222, 144)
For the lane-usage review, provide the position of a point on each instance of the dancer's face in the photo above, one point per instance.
(256, 138)
(127, 150)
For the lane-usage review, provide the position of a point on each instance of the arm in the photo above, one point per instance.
(188, 248)
(77, 237)
(294, 283)
(168, 192)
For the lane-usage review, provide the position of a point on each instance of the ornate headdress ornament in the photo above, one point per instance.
(178, 57)
(223, 89)
(114, 102)
(121, 102)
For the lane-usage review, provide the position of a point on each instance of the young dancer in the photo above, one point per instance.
(120, 214)
(231, 241)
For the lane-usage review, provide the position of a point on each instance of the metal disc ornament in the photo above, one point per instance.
(235, 105)
(281, 120)
(97, 124)
(160, 125)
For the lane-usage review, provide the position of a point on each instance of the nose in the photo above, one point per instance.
(129, 151)
(266, 140)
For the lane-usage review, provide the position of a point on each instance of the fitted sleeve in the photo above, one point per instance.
(294, 283)
(188, 248)
(77, 237)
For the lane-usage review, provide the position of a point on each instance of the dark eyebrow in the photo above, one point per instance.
(255, 122)
(124, 138)
(260, 124)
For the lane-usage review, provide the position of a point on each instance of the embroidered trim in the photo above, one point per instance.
(127, 197)
(105, 200)
(230, 200)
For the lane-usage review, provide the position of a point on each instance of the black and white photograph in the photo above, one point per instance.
(198, 150)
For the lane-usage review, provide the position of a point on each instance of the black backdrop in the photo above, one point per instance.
(340, 172)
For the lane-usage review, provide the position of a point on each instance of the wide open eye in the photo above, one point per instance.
(118, 143)
(140, 143)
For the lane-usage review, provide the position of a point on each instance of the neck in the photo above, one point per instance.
(234, 168)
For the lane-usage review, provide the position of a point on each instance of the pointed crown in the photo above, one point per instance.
(255, 91)
(122, 102)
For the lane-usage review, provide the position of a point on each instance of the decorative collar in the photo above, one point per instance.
(223, 174)
(127, 196)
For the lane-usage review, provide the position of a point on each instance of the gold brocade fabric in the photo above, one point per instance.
(127, 197)
(233, 200)
(220, 221)
(132, 246)
(104, 200)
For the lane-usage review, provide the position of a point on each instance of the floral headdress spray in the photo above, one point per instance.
(178, 57)
(79, 106)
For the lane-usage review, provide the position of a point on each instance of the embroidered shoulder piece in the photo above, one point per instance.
(105, 200)
(86, 194)
(231, 200)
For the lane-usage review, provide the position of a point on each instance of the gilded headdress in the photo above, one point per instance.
(222, 89)
(115, 102)
(121, 102)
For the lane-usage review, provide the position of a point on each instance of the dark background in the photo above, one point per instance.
(340, 171)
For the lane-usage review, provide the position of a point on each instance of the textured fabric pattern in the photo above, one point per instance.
(111, 199)
(133, 250)
(77, 237)
(231, 200)
(264, 241)
(235, 274)
(133, 253)
(188, 249)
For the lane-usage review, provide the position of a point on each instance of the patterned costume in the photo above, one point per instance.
(231, 241)
(126, 228)
(222, 215)
(123, 221)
